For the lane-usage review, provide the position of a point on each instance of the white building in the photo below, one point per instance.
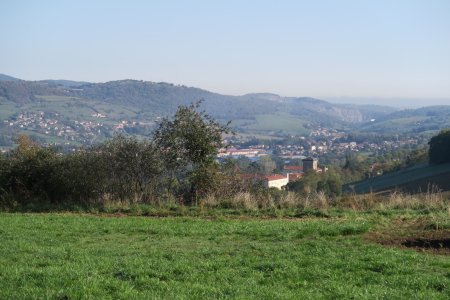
(276, 181)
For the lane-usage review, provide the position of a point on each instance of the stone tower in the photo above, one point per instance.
(309, 163)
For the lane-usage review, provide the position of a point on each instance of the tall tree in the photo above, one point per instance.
(440, 148)
(189, 144)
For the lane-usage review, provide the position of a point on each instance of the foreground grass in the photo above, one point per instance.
(67, 256)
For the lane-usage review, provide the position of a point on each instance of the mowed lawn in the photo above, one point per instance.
(71, 256)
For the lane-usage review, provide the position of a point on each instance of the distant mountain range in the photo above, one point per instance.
(259, 113)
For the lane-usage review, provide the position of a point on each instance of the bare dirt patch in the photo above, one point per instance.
(412, 235)
(428, 243)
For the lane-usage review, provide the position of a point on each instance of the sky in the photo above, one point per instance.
(359, 51)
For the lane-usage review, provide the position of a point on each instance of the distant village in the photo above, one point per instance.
(308, 148)
(321, 141)
(78, 131)
(279, 181)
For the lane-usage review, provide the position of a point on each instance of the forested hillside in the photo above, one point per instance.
(163, 98)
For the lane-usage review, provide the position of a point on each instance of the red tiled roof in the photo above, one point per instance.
(275, 177)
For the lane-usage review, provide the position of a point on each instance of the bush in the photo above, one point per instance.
(27, 174)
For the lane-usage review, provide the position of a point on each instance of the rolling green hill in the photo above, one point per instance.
(140, 102)
(417, 178)
(431, 118)
(146, 102)
(163, 98)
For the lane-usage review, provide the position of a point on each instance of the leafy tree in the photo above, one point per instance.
(243, 163)
(440, 148)
(189, 144)
(330, 184)
(267, 165)
(307, 184)
(415, 157)
(29, 172)
(254, 168)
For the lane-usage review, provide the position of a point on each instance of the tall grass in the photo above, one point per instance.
(259, 202)
(287, 200)
(432, 199)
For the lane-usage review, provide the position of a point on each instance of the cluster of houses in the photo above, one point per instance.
(322, 140)
(54, 124)
(252, 154)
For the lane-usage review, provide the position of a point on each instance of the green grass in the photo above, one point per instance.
(69, 108)
(258, 136)
(59, 256)
(76, 108)
(7, 110)
(425, 124)
(395, 123)
(278, 122)
(54, 98)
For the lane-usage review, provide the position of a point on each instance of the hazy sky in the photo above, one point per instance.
(325, 49)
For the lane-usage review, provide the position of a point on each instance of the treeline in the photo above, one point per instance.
(170, 165)
(177, 165)
(121, 171)
(357, 167)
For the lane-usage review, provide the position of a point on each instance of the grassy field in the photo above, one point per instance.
(7, 109)
(75, 108)
(400, 124)
(279, 122)
(70, 256)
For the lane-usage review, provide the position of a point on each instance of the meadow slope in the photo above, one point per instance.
(70, 256)
(414, 179)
